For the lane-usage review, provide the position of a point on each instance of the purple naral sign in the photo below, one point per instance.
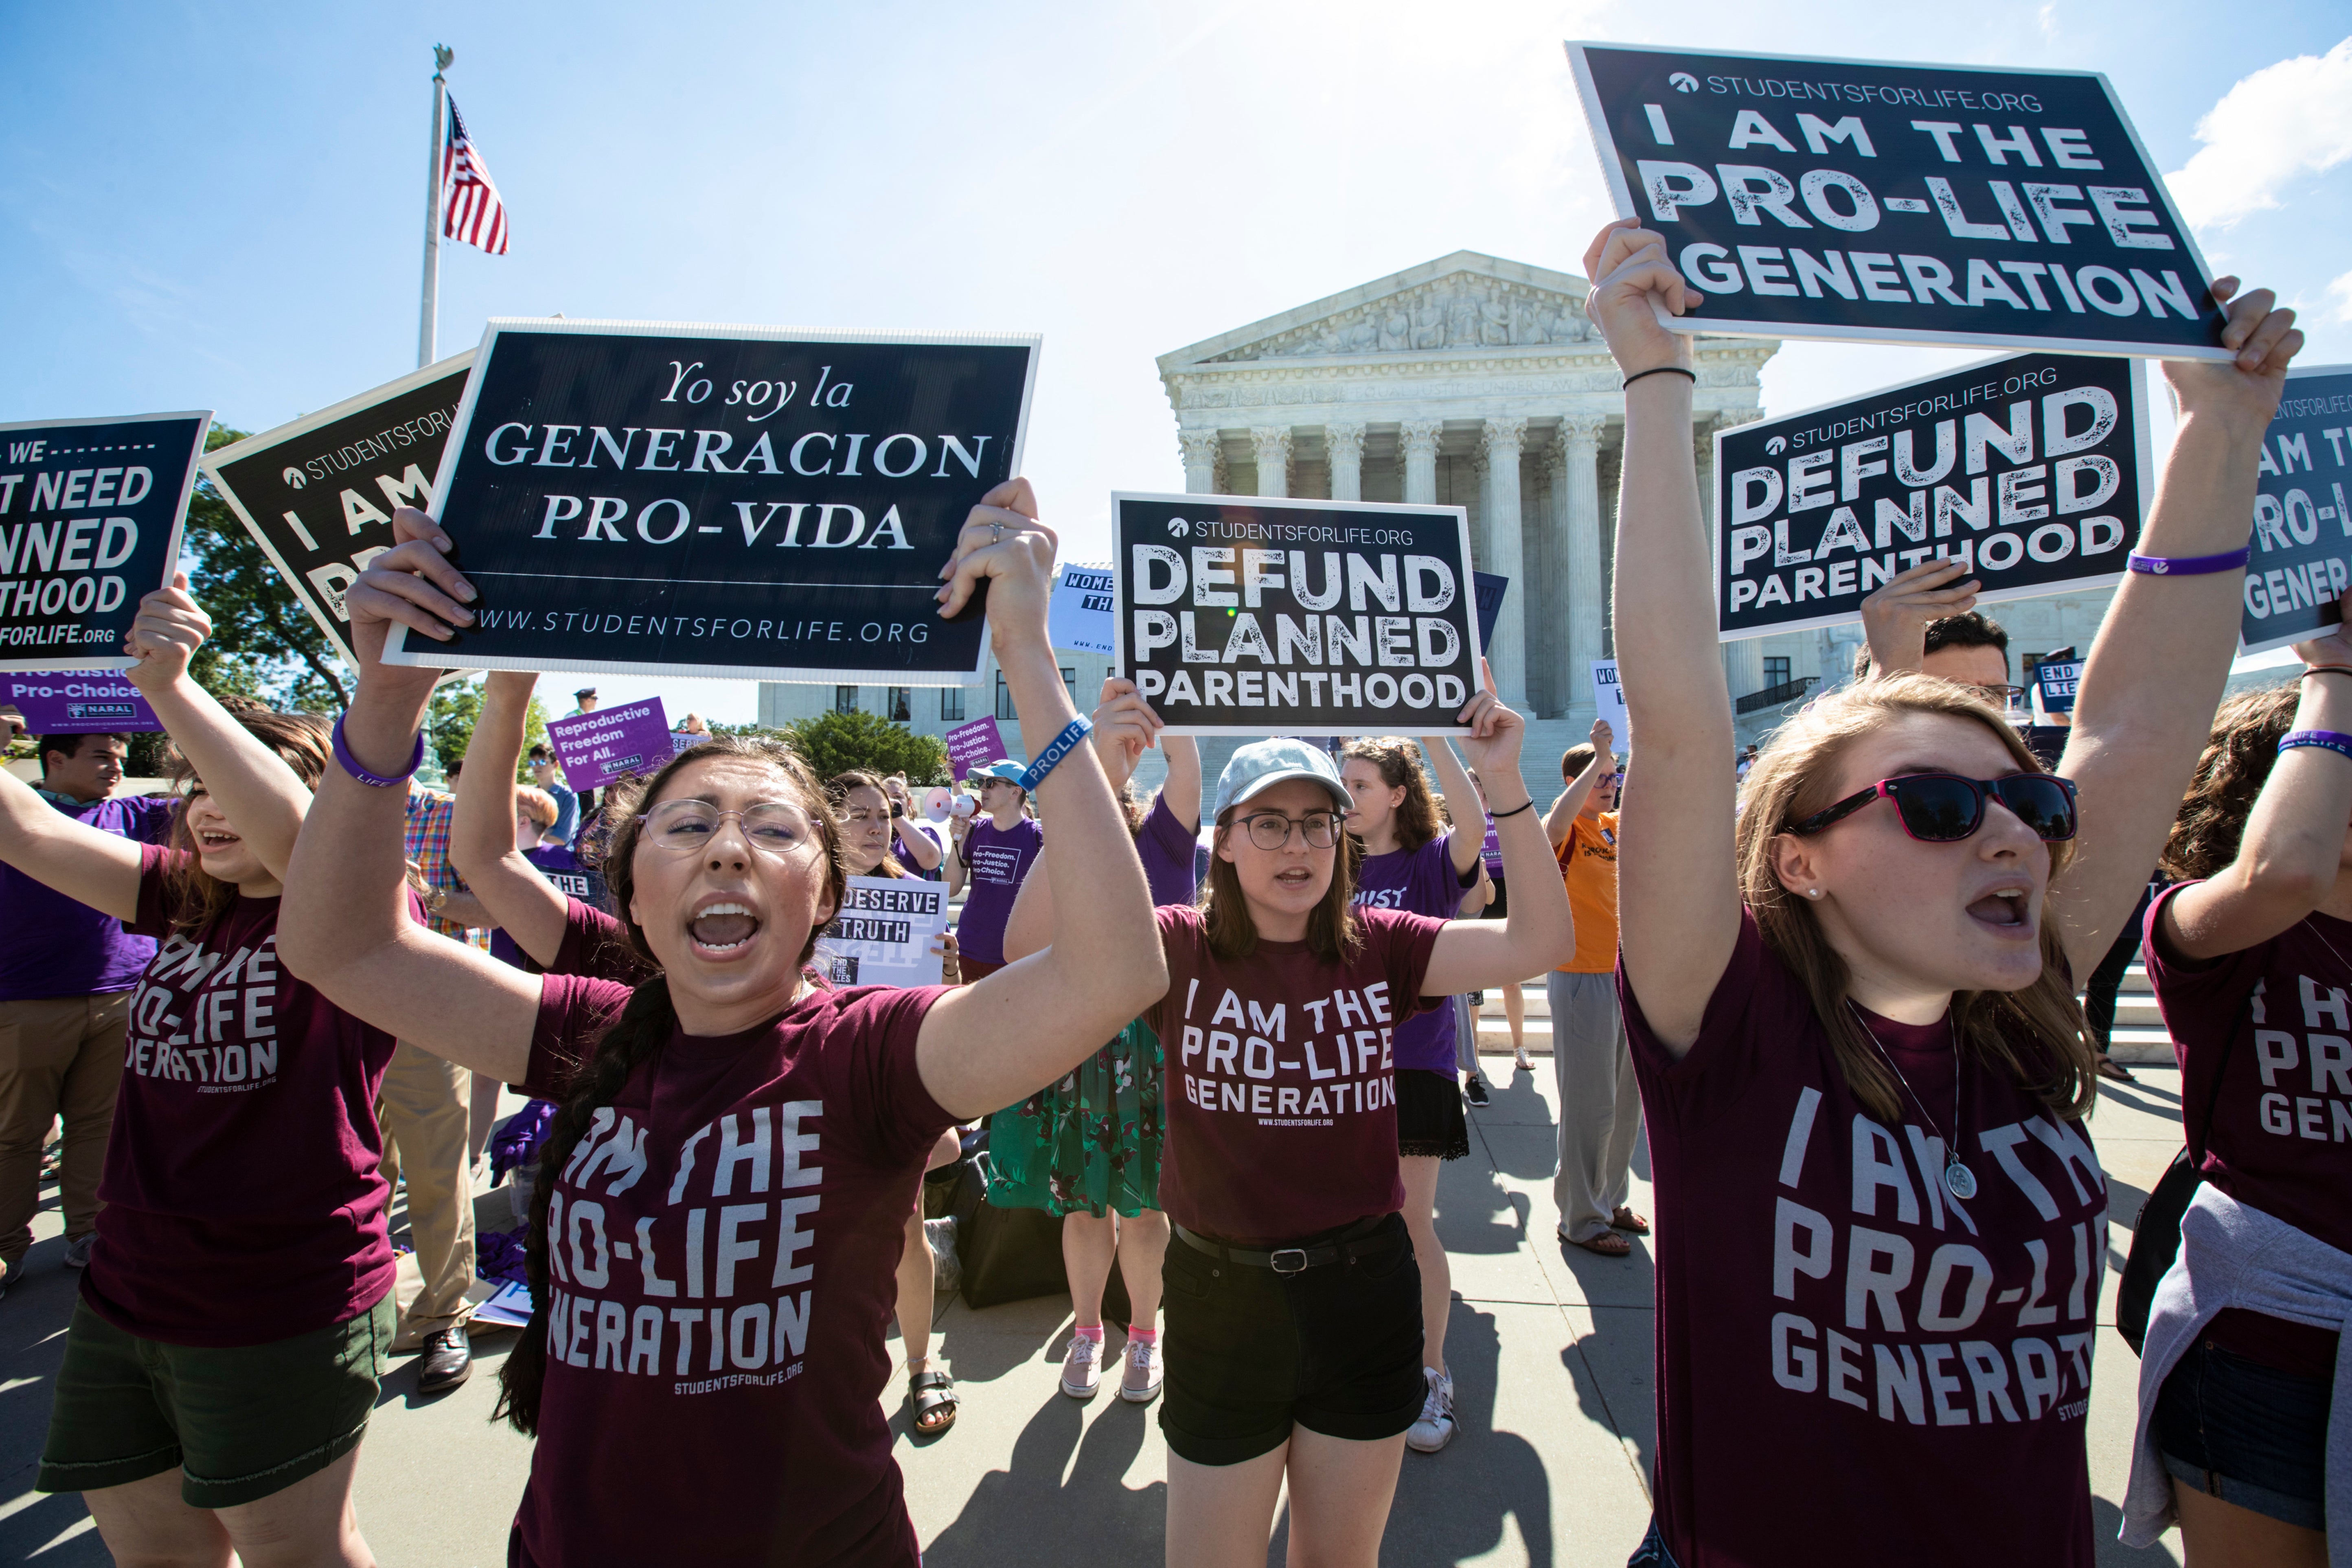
(974, 745)
(597, 747)
(76, 702)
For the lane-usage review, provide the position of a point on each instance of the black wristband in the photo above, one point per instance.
(1658, 371)
(1516, 810)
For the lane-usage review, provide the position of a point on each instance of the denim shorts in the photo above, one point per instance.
(2246, 1433)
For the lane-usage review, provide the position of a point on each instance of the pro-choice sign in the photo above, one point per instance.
(1248, 616)
(1916, 203)
(2303, 518)
(2034, 471)
(733, 501)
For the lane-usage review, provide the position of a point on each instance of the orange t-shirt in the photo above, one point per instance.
(1588, 865)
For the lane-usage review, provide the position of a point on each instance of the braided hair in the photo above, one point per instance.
(636, 1036)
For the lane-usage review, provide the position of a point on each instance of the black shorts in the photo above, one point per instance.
(1251, 1353)
(2246, 1433)
(1501, 908)
(1430, 1124)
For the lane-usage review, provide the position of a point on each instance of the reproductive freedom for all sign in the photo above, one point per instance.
(2302, 560)
(1259, 616)
(597, 749)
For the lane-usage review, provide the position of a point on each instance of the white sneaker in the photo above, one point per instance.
(1435, 1427)
(1139, 1385)
(1082, 1367)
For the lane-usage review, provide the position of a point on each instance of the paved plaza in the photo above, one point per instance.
(1551, 1349)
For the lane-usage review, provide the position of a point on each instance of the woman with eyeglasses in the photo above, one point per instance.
(722, 1199)
(2250, 954)
(1881, 1227)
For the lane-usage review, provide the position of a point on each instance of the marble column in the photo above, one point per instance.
(1550, 580)
(1703, 454)
(1200, 460)
(1272, 444)
(1505, 556)
(1344, 447)
(1579, 437)
(1418, 440)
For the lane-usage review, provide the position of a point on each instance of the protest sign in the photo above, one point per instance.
(1911, 204)
(885, 932)
(595, 748)
(90, 523)
(734, 501)
(974, 745)
(1080, 614)
(318, 495)
(1609, 702)
(2057, 678)
(2034, 471)
(1259, 616)
(2303, 520)
(76, 702)
(1491, 589)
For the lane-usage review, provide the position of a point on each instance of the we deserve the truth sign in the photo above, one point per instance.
(318, 495)
(884, 933)
(1915, 203)
(733, 501)
(2034, 471)
(2301, 561)
(90, 522)
(1250, 616)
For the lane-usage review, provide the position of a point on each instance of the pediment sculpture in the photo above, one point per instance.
(1462, 311)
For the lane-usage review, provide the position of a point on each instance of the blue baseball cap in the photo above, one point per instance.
(1003, 767)
(1262, 763)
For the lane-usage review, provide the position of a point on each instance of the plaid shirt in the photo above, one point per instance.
(430, 814)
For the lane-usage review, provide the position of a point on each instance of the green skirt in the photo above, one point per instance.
(1089, 1143)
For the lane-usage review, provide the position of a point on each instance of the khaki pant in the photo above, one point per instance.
(1599, 1103)
(58, 1056)
(421, 1111)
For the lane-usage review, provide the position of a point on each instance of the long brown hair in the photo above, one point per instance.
(1796, 775)
(302, 742)
(836, 794)
(1333, 933)
(2229, 777)
(644, 1027)
(1399, 761)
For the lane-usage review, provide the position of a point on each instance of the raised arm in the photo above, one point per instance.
(1462, 804)
(987, 1045)
(1539, 933)
(344, 926)
(1894, 617)
(958, 829)
(1181, 787)
(1124, 728)
(1677, 887)
(913, 842)
(1579, 788)
(96, 868)
(2162, 655)
(509, 889)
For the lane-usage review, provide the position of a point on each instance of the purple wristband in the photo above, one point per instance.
(2332, 740)
(2188, 565)
(351, 764)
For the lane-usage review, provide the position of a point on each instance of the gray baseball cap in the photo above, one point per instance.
(1263, 764)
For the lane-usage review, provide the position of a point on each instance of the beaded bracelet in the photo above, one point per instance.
(2332, 740)
(1061, 746)
(2188, 565)
(351, 764)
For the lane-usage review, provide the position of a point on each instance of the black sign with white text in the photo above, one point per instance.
(2302, 560)
(1915, 204)
(318, 495)
(735, 501)
(2033, 470)
(90, 524)
(1252, 616)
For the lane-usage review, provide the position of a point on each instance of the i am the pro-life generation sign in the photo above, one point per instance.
(2033, 471)
(745, 502)
(886, 934)
(1252, 616)
(90, 512)
(1913, 203)
(318, 495)
(2302, 558)
(78, 702)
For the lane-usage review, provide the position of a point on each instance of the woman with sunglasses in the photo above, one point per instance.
(2251, 960)
(1000, 846)
(1881, 1227)
(722, 1199)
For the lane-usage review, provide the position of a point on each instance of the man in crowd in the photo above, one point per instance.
(544, 773)
(67, 973)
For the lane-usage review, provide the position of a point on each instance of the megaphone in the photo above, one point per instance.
(940, 804)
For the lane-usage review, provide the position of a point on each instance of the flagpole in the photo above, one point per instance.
(428, 315)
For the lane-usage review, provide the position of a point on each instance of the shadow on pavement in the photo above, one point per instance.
(1028, 1513)
(1451, 1505)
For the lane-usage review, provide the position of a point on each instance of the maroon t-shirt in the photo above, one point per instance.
(242, 1203)
(595, 945)
(1282, 1101)
(724, 1244)
(2271, 1030)
(1852, 1367)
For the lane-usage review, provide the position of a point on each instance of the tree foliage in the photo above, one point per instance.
(264, 644)
(843, 742)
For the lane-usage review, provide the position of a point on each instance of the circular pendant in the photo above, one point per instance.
(1960, 1181)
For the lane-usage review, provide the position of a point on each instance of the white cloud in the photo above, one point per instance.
(2340, 293)
(2285, 120)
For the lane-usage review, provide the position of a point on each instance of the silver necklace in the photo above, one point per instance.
(1959, 1180)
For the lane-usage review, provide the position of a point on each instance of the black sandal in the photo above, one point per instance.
(929, 1392)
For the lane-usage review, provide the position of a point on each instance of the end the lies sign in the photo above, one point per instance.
(2035, 471)
(1915, 203)
(1252, 616)
(744, 502)
(2302, 560)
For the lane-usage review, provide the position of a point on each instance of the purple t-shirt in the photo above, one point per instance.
(579, 881)
(1417, 882)
(1167, 851)
(999, 862)
(1831, 1326)
(51, 945)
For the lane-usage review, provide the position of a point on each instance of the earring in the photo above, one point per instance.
(1812, 892)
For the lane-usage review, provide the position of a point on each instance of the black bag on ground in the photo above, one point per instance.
(1014, 1254)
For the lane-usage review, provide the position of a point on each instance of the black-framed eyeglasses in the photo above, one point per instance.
(1945, 808)
(1271, 830)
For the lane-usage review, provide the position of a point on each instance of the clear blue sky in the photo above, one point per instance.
(221, 206)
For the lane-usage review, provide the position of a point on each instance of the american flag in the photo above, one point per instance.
(469, 198)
